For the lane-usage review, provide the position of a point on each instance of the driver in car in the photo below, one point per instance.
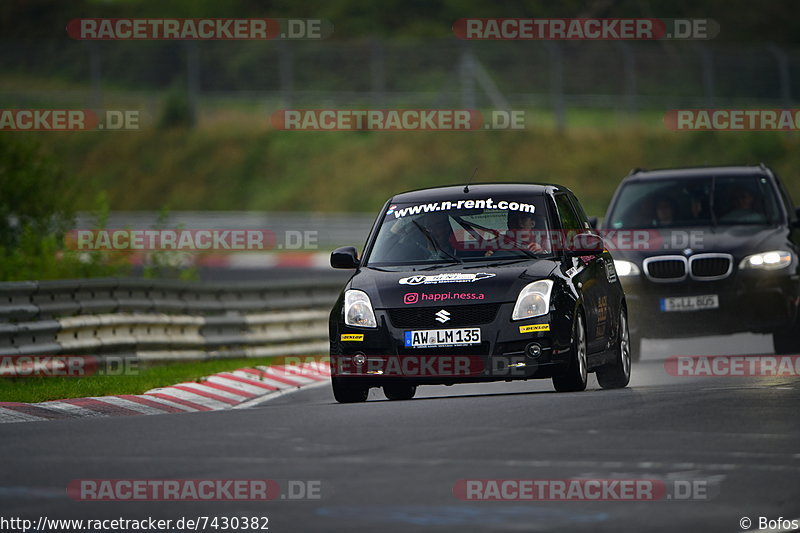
(665, 213)
(520, 234)
(521, 230)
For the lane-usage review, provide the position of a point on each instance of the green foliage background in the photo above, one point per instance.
(348, 171)
(241, 164)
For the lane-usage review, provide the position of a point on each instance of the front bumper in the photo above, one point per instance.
(757, 302)
(501, 355)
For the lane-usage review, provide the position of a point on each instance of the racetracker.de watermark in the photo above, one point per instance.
(396, 120)
(550, 490)
(444, 367)
(584, 29)
(732, 119)
(569, 240)
(186, 240)
(197, 29)
(22, 366)
(193, 489)
(68, 120)
(733, 365)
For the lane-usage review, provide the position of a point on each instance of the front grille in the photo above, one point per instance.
(711, 266)
(460, 315)
(666, 269)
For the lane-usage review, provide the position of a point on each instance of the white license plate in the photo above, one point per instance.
(442, 337)
(690, 303)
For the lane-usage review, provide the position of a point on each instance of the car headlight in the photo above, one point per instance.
(767, 260)
(625, 268)
(358, 310)
(533, 300)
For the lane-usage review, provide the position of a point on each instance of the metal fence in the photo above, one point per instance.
(623, 75)
(162, 320)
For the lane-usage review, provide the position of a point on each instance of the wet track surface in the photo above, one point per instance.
(392, 466)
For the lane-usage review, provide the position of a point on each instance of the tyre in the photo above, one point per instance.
(617, 375)
(574, 378)
(345, 392)
(399, 391)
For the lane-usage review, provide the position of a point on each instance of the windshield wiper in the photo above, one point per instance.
(435, 266)
(489, 262)
(435, 244)
(379, 268)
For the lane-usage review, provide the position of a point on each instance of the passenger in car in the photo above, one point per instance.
(744, 208)
(440, 230)
(665, 213)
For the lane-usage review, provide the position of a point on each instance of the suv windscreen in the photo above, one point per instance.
(702, 201)
(468, 231)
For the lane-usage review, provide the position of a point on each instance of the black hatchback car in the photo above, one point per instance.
(719, 254)
(481, 283)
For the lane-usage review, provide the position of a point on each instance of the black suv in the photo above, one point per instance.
(712, 251)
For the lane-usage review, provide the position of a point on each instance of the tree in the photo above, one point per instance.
(35, 194)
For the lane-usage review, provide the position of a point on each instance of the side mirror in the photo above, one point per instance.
(587, 244)
(593, 221)
(345, 257)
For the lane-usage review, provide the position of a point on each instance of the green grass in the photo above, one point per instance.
(40, 389)
(236, 167)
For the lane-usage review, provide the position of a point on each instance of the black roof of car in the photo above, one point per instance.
(476, 191)
(696, 172)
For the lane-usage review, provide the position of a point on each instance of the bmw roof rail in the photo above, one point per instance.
(766, 169)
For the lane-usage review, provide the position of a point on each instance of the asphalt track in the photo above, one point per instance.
(392, 466)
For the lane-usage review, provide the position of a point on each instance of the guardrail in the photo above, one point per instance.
(165, 320)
